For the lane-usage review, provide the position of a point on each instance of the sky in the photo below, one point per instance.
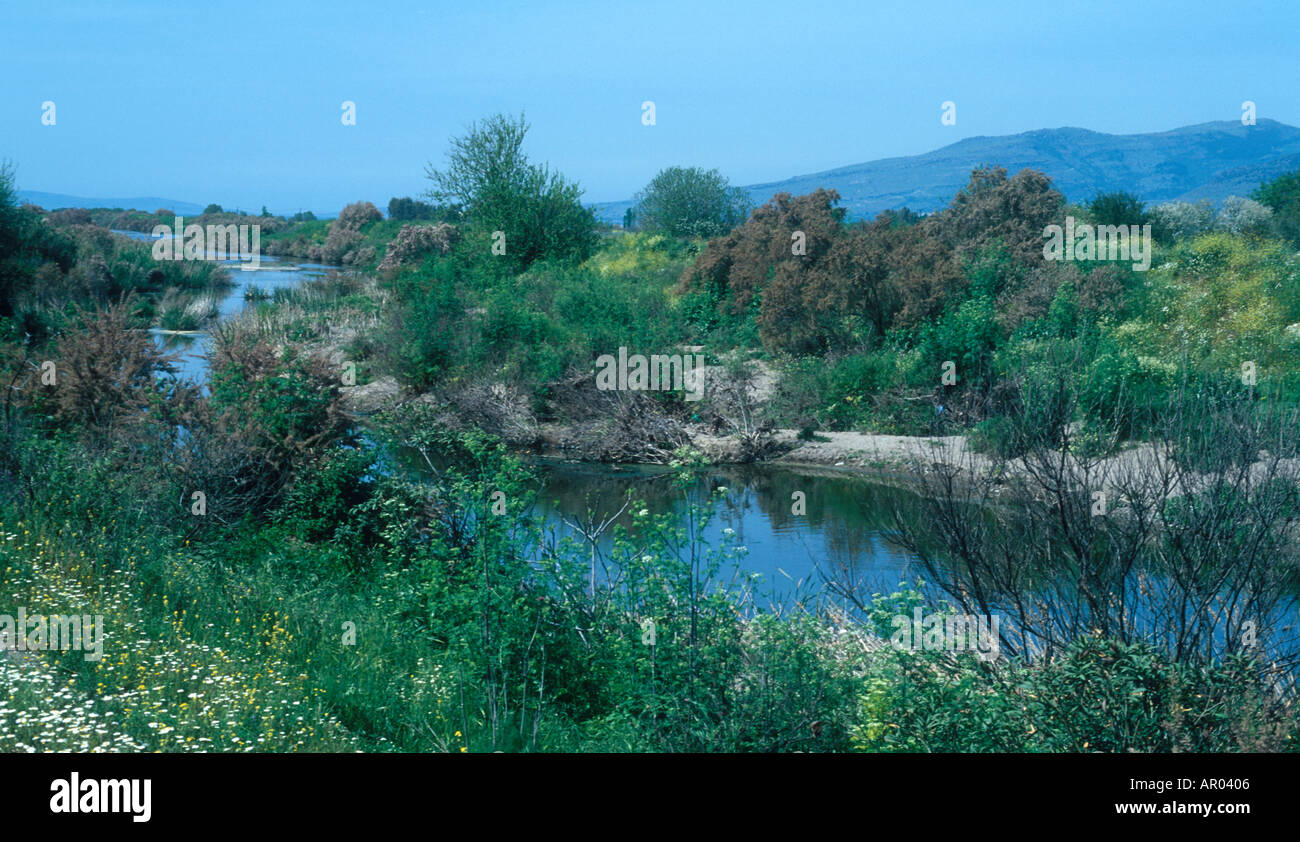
(241, 103)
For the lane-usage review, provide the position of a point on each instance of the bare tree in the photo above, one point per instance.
(1185, 542)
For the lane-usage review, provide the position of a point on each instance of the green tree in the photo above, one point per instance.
(691, 202)
(408, 209)
(1118, 208)
(213, 208)
(1282, 196)
(538, 211)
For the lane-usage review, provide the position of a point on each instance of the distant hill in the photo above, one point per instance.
(1206, 161)
(54, 201)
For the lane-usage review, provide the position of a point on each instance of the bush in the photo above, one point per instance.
(1281, 195)
(965, 335)
(417, 240)
(1244, 216)
(1100, 695)
(1124, 392)
(1174, 221)
(356, 215)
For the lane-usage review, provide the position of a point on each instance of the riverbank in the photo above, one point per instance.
(882, 458)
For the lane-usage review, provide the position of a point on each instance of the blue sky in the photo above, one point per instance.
(240, 103)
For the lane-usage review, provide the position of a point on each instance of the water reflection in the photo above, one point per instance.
(842, 536)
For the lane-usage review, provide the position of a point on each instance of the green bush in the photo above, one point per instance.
(1124, 392)
(1100, 695)
(967, 336)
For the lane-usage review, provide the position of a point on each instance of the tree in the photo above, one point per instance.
(1181, 220)
(993, 207)
(1118, 208)
(408, 209)
(691, 202)
(769, 261)
(1244, 216)
(1282, 196)
(537, 210)
(213, 208)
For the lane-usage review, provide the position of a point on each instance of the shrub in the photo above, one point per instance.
(417, 240)
(1244, 216)
(1181, 220)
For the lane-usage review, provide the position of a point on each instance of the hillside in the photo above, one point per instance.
(1208, 160)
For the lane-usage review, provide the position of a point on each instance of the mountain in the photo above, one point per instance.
(54, 201)
(1206, 161)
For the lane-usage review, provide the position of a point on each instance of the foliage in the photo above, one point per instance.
(690, 202)
(413, 210)
(1281, 195)
(1181, 220)
(537, 210)
(1117, 208)
(1100, 695)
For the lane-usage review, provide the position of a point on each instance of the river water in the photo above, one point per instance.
(840, 536)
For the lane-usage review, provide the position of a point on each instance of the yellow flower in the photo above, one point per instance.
(463, 749)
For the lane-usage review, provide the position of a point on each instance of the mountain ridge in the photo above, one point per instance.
(1210, 160)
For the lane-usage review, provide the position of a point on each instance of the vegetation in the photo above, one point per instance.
(536, 211)
(281, 574)
(1281, 195)
(412, 210)
(690, 202)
